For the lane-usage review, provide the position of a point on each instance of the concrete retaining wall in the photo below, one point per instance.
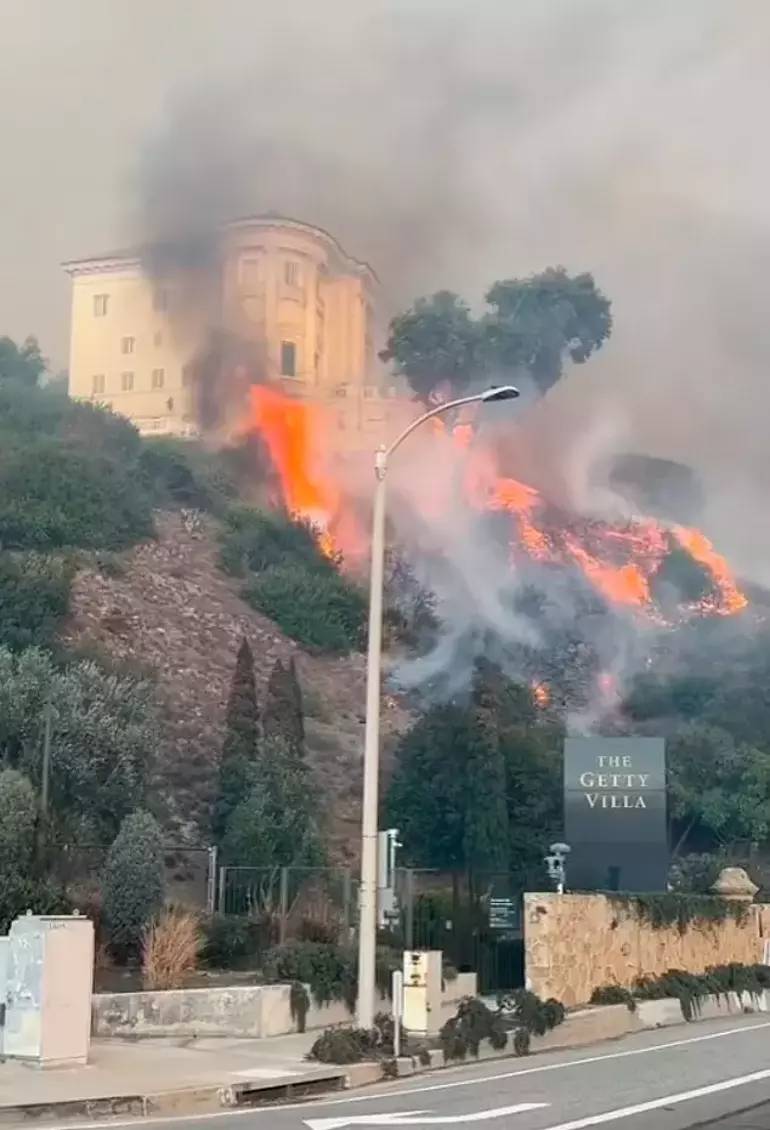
(255, 1011)
(575, 943)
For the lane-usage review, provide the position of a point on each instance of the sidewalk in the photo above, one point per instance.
(164, 1075)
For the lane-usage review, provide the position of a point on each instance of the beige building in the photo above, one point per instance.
(283, 286)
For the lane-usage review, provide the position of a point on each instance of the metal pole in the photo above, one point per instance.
(367, 927)
(346, 888)
(409, 925)
(221, 894)
(397, 992)
(211, 881)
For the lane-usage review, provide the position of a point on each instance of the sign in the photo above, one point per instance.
(419, 1118)
(504, 913)
(615, 813)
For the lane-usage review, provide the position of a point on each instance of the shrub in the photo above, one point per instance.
(34, 598)
(20, 889)
(318, 608)
(329, 970)
(255, 540)
(170, 949)
(614, 994)
(229, 941)
(472, 1023)
(181, 473)
(352, 1045)
(54, 495)
(523, 1009)
(133, 883)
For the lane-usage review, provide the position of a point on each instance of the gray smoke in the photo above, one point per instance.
(452, 145)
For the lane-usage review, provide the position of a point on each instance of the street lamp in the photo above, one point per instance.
(367, 928)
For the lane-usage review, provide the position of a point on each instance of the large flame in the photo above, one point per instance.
(620, 562)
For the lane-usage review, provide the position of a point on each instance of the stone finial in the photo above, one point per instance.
(735, 885)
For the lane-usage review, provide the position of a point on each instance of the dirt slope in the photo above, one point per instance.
(171, 610)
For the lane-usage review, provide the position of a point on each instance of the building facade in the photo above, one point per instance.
(285, 287)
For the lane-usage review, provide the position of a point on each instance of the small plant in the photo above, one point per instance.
(231, 941)
(329, 970)
(472, 1023)
(353, 1045)
(171, 949)
(680, 909)
(614, 994)
(299, 1002)
(523, 1009)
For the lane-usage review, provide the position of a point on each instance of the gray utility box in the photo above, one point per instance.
(49, 983)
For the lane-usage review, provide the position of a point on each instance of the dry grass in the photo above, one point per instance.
(171, 949)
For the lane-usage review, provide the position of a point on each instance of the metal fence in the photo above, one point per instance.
(318, 903)
(190, 872)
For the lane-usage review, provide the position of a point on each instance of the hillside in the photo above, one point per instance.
(167, 606)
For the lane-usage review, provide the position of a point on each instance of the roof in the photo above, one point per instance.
(114, 260)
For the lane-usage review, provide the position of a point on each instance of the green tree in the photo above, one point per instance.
(486, 840)
(239, 748)
(34, 598)
(426, 800)
(284, 716)
(320, 609)
(718, 786)
(22, 364)
(531, 326)
(104, 730)
(133, 884)
(275, 824)
(21, 889)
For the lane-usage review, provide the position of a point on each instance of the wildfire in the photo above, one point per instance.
(620, 563)
(541, 693)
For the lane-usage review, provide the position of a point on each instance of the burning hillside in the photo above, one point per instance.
(662, 572)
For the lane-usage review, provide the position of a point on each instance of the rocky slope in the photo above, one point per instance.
(168, 608)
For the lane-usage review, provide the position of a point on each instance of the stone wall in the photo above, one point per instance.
(575, 943)
(252, 1011)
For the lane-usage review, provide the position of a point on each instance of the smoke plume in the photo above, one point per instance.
(452, 146)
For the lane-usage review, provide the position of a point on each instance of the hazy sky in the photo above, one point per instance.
(450, 143)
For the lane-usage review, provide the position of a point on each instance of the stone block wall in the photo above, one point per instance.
(575, 943)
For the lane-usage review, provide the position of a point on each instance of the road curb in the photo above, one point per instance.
(579, 1029)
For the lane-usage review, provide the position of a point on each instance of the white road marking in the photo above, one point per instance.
(370, 1097)
(418, 1117)
(655, 1104)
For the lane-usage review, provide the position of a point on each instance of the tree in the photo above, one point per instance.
(239, 748)
(34, 598)
(532, 326)
(133, 883)
(435, 342)
(104, 730)
(23, 364)
(20, 888)
(718, 786)
(275, 823)
(486, 843)
(284, 717)
(427, 797)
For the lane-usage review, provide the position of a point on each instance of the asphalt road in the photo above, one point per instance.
(715, 1074)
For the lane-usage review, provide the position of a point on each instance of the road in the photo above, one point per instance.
(715, 1073)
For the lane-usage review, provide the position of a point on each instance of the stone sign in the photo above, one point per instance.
(615, 813)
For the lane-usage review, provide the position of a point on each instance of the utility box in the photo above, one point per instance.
(422, 991)
(48, 989)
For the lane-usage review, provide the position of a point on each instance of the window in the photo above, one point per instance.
(291, 275)
(101, 301)
(158, 378)
(127, 381)
(288, 359)
(157, 339)
(127, 345)
(160, 300)
(97, 383)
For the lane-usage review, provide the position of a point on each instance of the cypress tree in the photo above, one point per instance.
(486, 832)
(284, 717)
(239, 749)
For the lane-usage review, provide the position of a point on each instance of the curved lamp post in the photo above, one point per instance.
(367, 930)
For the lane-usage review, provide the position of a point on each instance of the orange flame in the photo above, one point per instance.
(619, 563)
(541, 693)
